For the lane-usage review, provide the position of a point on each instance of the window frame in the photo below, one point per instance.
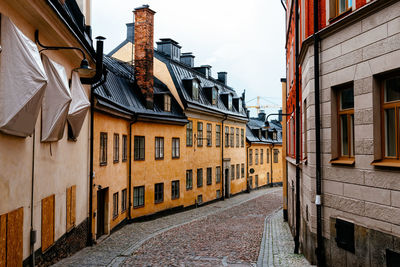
(218, 174)
(349, 113)
(167, 103)
(176, 153)
(276, 155)
(209, 176)
(261, 156)
(115, 205)
(138, 197)
(199, 177)
(226, 133)
(209, 134)
(250, 157)
(124, 198)
(124, 147)
(217, 135)
(116, 148)
(189, 133)
(137, 141)
(242, 170)
(232, 172)
(199, 138)
(242, 137)
(256, 156)
(237, 171)
(237, 137)
(189, 177)
(175, 189)
(232, 137)
(158, 193)
(103, 148)
(159, 148)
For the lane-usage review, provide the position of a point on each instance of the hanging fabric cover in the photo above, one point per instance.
(56, 101)
(22, 81)
(79, 106)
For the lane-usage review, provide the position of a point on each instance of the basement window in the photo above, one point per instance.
(345, 235)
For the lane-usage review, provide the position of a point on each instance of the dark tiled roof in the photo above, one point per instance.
(255, 124)
(120, 92)
(180, 72)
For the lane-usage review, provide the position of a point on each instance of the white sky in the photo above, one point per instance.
(244, 38)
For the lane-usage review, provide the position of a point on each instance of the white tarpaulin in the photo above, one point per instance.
(56, 101)
(22, 81)
(79, 105)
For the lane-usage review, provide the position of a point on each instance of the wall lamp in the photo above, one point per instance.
(84, 69)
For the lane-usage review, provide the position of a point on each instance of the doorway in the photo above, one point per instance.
(227, 181)
(101, 211)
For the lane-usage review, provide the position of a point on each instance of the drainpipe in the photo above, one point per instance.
(130, 166)
(320, 245)
(247, 169)
(100, 72)
(222, 157)
(272, 181)
(33, 232)
(297, 114)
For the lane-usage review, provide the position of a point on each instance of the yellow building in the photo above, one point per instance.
(44, 131)
(185, 131)
(264, 152)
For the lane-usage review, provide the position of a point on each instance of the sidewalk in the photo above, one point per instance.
(277, 244)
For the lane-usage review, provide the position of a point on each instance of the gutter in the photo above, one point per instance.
(320, 244)
(222, 157)
(297, 115)
(130, 167)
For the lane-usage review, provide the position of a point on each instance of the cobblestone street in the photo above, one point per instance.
(225, 233)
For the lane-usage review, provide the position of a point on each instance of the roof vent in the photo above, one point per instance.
(205, 70)
(223, 77)
(188, 59)
(170, 48)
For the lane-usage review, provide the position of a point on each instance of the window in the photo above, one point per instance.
(214, 96)
(276, 154)
(199, 134)
(199, 177)
(261, 156)
(242, 137)
(229, 101)
(267, 155)
(391, 117)
(138, 196)
(167, 103)
(231, 137)
(195, 90)
(209, 134)
(232, 172)
(346, 122)
(217, 135)
(237, 171)
(237, 137)
(338, 7)
(274, 136)
(123, 200)
(242, 170)
(209, 176)
(103, 149)
(175, 189)
(159, 147)
(116, 148)
(139, 143)
(226, 136)
(218, 175)
(115, 205)
(189, 179)
(189, 134)
(159, 193)
(250, 157)
(256, 157)
(175, 148)
(124, 147)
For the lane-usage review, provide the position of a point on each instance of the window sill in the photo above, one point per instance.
(138, 159)
(103, 164)
(158, 202)
(116, 161)
(159, 158)
(124, 160)
(343, 161)
(115, 217)
(386, 163)
(187, 189)
(138, 207)
(341, 15)
(175, 157)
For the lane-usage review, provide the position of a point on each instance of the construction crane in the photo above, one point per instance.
(259, 107)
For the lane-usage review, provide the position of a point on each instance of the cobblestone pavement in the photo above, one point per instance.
(277, 246)
(229, 238)
(121, 245)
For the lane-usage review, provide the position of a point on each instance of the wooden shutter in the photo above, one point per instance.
(47, 222)
(3, 240)
(71, 206)
(11, 229)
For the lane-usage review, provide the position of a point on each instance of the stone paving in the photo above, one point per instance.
(115, 248)
(225, 233)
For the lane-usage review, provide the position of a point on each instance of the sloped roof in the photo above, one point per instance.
(120, 93)
(255, 124)
(180, 72)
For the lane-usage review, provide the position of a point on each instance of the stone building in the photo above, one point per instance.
(175, 135)
(44, 130)
(348, 156)
(264, 152)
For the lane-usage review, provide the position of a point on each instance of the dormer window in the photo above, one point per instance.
(167, 103)
(230, 102)
(259, 134)
(214, 96)
(195, 90)
(274, 136)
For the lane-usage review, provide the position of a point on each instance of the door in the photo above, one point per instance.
(227, 181)
(101, 207)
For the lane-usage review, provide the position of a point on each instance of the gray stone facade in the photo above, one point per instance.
(368, 196)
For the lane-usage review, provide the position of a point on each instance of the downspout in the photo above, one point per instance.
(247, 169)
(100, 72)
(33, 232)
(272, 181)
(320, 244)
(222, 157)
(297, 114)
(130, 166)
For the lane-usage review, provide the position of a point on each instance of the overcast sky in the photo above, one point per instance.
(243, 38)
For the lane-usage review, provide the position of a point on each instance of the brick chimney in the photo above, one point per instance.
(144, 52)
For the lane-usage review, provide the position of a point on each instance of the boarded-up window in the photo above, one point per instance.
(71, 207)
(11, 238)
(47, 222)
